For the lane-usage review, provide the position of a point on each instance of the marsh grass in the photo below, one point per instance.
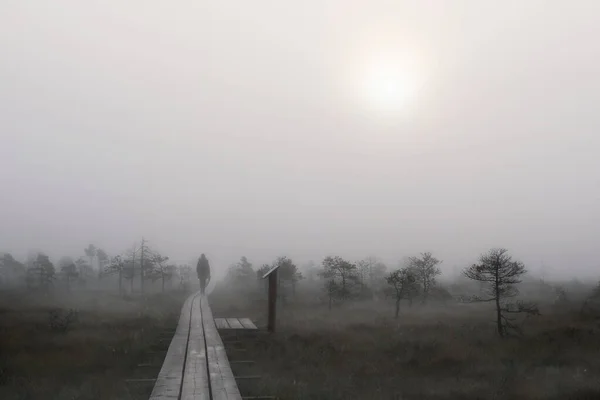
(444, 352)
(92, 358)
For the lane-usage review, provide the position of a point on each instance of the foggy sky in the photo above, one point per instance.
(226, 127)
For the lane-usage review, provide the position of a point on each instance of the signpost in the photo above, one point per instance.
(272, 275)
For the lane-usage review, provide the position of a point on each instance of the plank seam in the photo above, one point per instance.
(210, 393)
(187, 345)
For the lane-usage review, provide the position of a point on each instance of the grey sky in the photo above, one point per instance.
(228, 128)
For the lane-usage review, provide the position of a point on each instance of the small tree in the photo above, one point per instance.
(42, 272)
(403, 282)
(592, 300)
(116, 266)
(160, 270)
(561, 297)
(185, 276)
(103, 261)
(499, 274)
(332, 289)
(90, 252)
(241, 273)
(343, 273)
(85, 272)
(425, 269)
(11, 270)
(287, 273)
(363, 269)
(130, 264)
(68, 271)
(146, 263)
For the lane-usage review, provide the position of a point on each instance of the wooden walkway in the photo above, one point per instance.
(196, 365)
(234, 323)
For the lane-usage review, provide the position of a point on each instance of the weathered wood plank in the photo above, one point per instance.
(197, 344)
(195, 379)
(168, 382)
(234, 323)
(223, 383)
(221, 323)
(247, 323)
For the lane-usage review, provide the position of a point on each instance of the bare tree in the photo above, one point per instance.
(403, 282)
(90, 252)
(11, 270)
(103, 261)
(499, 273)
(145, 259)
(161, 270)
(363, 269)
(185, 276)
(561, 298)
(425, 269)
(84, 271)
(288, 273)
(241, 273)
(130, 265)
(42, 272)
(68, 270)
(342, 273)
(116, 266)
(592, 300)
(331, 288)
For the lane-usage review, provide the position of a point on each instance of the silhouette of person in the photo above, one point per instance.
(203, 270)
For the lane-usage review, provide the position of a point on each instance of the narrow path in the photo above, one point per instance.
(196, 365)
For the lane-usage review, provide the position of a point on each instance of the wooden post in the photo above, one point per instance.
(272, 300)
(272, 275)
(142, 267)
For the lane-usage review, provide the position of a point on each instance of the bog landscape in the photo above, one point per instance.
(90, 328)
(299, 200)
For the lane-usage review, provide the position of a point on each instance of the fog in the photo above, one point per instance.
(239, 128)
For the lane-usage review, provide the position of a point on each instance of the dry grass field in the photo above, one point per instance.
(96, 353)
(444, 352)
(357, 350)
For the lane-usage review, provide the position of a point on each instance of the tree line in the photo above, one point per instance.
(496, 274)
(140, 263)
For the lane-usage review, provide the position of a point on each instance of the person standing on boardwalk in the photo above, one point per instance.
(203, 270)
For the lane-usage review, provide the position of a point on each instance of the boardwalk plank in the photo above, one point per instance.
(247, 323)
(223, 383)
(168, 382)
(195, 380)
(234, 323)
(207, 374)
(221, 323)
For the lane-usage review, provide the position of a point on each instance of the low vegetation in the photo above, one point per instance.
(346, 329)
(335, 342)
(79, 329)
(82, 346)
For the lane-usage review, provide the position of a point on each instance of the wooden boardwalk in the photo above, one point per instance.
(196, 365)
(234, 323)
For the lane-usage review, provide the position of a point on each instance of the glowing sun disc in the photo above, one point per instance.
(388, 88)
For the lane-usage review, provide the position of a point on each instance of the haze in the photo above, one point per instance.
(239, 128)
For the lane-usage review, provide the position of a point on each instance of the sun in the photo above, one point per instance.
(384, 79)
(389, 87)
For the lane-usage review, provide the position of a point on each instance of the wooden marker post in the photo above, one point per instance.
(272, 309)
(272, 300)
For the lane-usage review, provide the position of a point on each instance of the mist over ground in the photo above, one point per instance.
(241, 128)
